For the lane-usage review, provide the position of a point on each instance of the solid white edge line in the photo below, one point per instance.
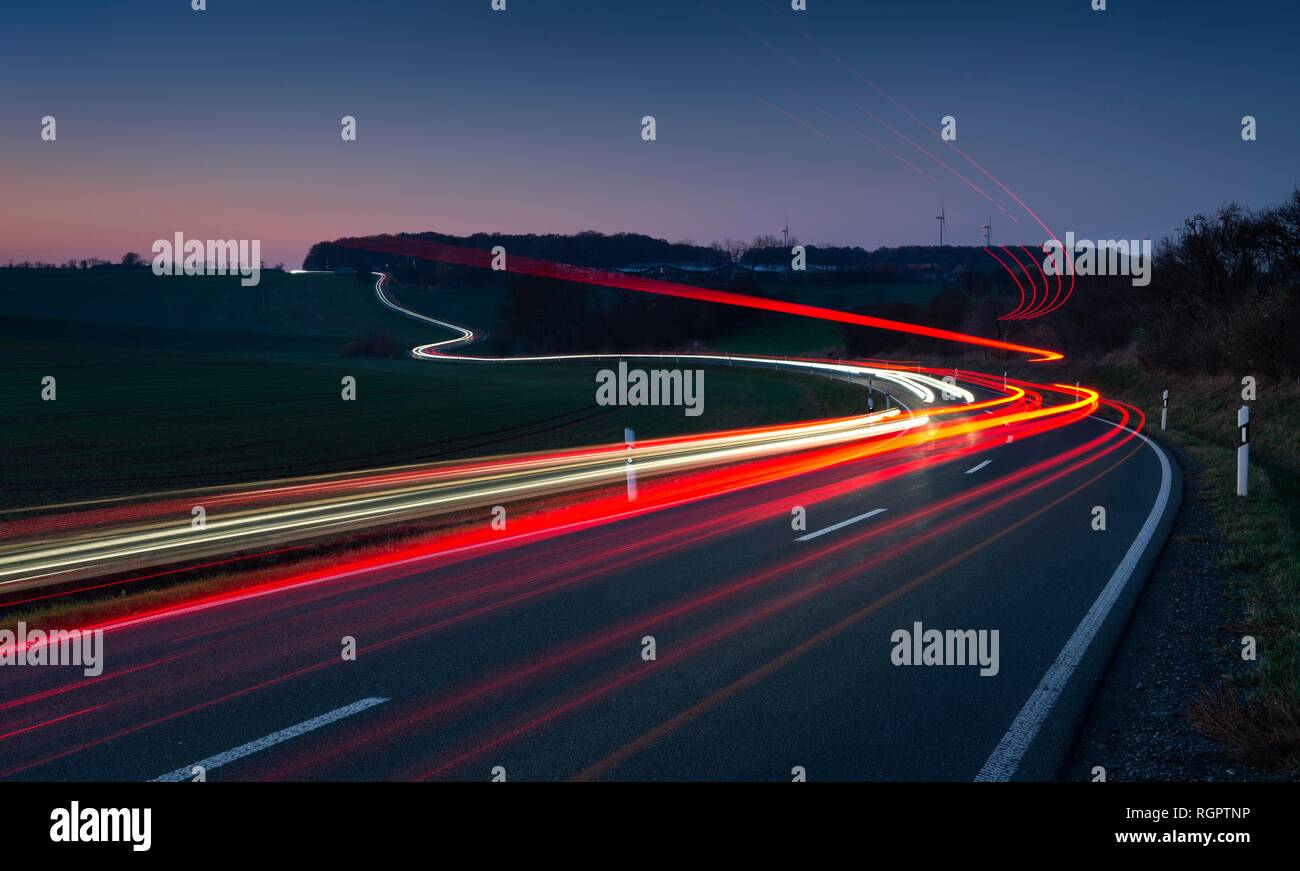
(973, 469)
(841, 524)
(1007, 756)
(186, 772)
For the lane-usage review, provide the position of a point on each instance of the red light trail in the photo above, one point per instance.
(482, 259)
(901, 444)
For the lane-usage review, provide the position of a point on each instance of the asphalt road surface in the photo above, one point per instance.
(773, 650)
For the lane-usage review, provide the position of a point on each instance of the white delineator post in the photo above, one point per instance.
(1243, 451)
(1164, 409)
(630, 438)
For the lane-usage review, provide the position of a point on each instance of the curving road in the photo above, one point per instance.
(737, 622)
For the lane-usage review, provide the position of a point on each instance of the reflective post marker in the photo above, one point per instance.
(630, 438)
(1243, 451)
(1164, 409)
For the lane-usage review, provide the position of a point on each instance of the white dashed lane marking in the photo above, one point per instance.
(186, 773)
(840, 525)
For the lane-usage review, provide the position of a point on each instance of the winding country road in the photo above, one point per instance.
(701, 632)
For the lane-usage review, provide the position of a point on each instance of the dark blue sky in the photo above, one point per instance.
(225, 123)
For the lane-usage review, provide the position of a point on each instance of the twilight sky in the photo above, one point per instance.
(225, 123)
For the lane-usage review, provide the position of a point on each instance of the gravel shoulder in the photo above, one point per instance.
(1178, 640)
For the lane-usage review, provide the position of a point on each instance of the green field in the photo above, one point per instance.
(773, 333)
(849, 295)
(308, 309)
(166, 383)
(479, 307)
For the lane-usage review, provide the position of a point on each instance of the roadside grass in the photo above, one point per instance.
(1258, 715)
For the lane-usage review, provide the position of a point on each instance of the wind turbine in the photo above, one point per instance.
(941, 219)
(785, 234)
